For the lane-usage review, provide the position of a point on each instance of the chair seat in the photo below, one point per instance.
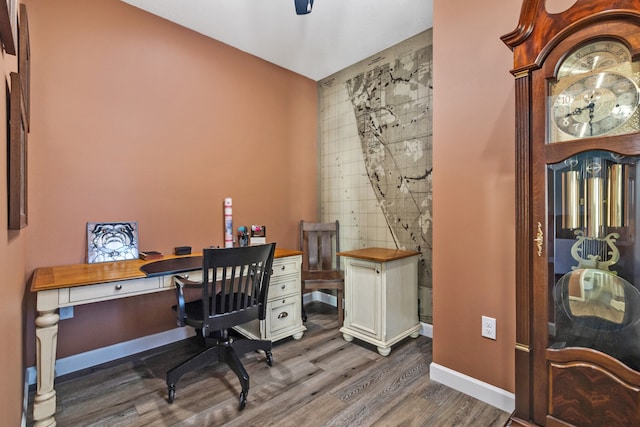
(311, 276)
(194, 312)
(193, 309)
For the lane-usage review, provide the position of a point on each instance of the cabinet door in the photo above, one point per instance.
(364, 292)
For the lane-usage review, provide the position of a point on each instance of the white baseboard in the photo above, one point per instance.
(320, 296)
(25, 403)
(485, 392)
(98, 356)
(427, 330)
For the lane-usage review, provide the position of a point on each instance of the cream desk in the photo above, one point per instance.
(71, 285)
(380, 296)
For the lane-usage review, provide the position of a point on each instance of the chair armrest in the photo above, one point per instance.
(184, 282)
(181, 284)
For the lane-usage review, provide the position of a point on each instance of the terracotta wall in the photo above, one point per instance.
(138, 119)
(473, 188)
(12, 285)
(135, 118)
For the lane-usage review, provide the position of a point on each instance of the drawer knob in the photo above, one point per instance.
(283, 286)
(283, 268)
(118, 287)
(283, 315)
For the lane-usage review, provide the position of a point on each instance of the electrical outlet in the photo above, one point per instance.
(66, 313)
(489, 327)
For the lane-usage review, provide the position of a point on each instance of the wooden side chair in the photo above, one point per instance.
(320, 243)
(233, 291)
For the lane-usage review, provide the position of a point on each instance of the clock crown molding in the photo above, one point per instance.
(535, 23)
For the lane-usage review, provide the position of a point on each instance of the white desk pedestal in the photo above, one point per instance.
(381, 296)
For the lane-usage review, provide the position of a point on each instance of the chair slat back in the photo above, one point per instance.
(237, 283)
(320, 243)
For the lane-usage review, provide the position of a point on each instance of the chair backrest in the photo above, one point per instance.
(235, 285)
(320, 243)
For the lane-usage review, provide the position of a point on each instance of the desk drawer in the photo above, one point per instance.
(283, 314)
(284, 286)
(111, 290)
(287, 265)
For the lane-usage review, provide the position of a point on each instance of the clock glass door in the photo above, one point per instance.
(594, 301)
(594, 270)
(592, 165)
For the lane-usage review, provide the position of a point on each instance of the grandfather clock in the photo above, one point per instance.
(577, 78)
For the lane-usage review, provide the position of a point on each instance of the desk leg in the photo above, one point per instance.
(44, 404)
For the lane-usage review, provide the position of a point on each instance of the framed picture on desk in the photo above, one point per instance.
(112, 241)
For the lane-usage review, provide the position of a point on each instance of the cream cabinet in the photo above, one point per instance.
(381, 296)
(284, 304)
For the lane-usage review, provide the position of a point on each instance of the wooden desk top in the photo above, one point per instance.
(66, 276)
(378, 254)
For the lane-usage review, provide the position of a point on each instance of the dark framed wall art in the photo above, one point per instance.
(8, 23)
(17, 157)
(18, 110)
(24, 62)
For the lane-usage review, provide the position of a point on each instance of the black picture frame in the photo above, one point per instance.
(17, 157)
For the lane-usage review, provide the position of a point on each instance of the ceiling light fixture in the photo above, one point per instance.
(303, 6)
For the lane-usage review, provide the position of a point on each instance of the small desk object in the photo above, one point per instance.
(381, 296)
(71, 285)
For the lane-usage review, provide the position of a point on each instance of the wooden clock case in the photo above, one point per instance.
(575, 385)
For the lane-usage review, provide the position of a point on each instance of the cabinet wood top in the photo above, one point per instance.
(378, 254)
(65, 276)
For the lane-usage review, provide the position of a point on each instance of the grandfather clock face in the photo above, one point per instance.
(596, 93)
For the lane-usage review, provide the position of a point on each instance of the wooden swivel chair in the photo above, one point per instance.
(233, 291)
(320, 243)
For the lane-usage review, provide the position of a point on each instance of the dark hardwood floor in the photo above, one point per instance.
(319, 380)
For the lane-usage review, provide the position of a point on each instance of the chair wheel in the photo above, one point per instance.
(269, 358)
(172, 393)
(243, 400)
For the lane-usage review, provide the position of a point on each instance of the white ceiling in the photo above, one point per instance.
(335, 35)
